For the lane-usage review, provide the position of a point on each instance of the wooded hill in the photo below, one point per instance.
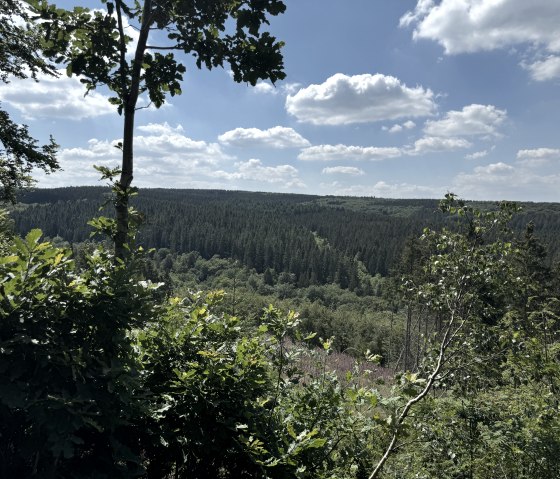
(318, 239)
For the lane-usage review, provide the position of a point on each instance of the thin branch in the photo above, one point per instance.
(143, 107)
(122, 49)
(432, 378)
(150, 47)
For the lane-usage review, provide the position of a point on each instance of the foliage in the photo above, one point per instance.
(20, 58)
(103, 380)
(6, 231)
(490, 305)
(94, 44)
(111, 376)
(231, 405)
(70, 392)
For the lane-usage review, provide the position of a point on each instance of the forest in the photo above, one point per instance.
(447, 366)
(191, 333)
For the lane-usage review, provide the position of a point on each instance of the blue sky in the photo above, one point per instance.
(385, 98)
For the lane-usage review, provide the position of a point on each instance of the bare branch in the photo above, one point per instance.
(151, 47)
(122, 48)
(449, 334)
(143, 107)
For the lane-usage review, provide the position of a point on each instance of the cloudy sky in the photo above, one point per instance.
(402, 99)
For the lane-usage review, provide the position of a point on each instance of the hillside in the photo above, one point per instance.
(318, 239)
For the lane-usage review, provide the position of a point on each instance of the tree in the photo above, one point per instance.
(462, 279)
(95, 45)
(20, 58)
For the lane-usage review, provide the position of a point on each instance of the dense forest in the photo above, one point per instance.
(320, 240)
(174, 365)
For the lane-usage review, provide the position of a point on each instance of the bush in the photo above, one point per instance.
(103, 379)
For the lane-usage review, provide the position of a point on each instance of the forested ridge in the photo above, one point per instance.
(319, 239)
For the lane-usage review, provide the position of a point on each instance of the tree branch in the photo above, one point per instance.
(150, 47)
(122, 48)
(432, 378)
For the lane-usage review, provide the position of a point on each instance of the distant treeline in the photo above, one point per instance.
(319, 239)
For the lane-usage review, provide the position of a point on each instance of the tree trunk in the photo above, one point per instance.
(130, 100)
(121, 204)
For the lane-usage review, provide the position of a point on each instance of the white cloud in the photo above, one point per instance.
(160, 129)
(265, 88)
(343, 100)
(164, 156)
(477, 155)
(387, 190)
(290, 88)
(170, 145)
(472, 120)
(254, 170)
(539, 153)
(276, 137)
(349, 153)
(498, 181)
(543, 70)
(430, 144)
(468, 26)
(494, 170)
(537, 157)
(343, 170)
(422, 8)
(50, 98)
(396, 128)
(421, 146)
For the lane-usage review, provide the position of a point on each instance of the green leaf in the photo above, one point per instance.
(33, 236)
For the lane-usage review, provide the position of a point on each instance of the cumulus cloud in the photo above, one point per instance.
(495, 170)
(477, 155)
(170, 145)
(276, 137)
(467, 26)
(50, 98)
(537, 157)
(160, 129)
(498, 181)
(343, 100)
(543, 70)
(539, 153)
(430, 144)
(265, 88)
(349, 153)
(472, 120)
(254, 170)
(164, 156)
(397, 128)
(343, 170)
(387, 190)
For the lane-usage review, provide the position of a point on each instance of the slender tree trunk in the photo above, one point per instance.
(129, 109)
(121, 205)
(407, 347)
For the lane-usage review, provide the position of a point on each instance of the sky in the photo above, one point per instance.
(385, 98)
